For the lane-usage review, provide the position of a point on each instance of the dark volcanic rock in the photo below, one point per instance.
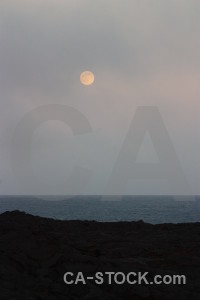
(36, 252)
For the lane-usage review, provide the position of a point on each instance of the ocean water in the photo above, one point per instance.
(151, 209)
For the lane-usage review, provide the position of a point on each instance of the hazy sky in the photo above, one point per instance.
(142, 52)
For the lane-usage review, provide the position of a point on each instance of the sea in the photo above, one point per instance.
(150, 209)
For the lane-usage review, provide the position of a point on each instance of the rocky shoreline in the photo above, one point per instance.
(36, 252)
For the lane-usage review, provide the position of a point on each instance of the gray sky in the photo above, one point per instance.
(143, 53)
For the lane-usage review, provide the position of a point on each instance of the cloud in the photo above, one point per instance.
(142, 53)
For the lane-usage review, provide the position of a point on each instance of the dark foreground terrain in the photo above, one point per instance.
(36, 252)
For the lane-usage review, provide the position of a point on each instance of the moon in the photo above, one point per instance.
(87, 78)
